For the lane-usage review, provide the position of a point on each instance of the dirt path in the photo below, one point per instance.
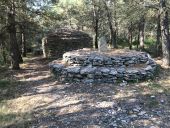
(43, 102)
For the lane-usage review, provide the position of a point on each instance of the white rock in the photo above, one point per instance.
(141, 113)
(152, 96)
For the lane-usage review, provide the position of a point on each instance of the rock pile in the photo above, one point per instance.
(55, 44)
(92, 66)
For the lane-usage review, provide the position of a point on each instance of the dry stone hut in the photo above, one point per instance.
(55, 44)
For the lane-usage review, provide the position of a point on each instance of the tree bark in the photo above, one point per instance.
(14, 49)
(95, 23)
(96, 32)
(2, 47)
(23, 41)
(138, 41)
(158, 35)
(112, 31)
(165, 33)
(24, 52)
(141, 33)
(130, 36)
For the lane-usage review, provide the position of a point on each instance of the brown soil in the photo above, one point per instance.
(53, 104)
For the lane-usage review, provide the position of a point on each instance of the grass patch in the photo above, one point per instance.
(153, 85)
(10, 118)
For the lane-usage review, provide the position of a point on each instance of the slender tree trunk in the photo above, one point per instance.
(24, 52)
(4, 53)
(130, 36)
(2, 47)
(95, 23)
(165, 33)
(96, 33)
(138, 41)
(158, 36)
(141, 33)
(116, 25)
(112, 31)
(23, 41)
(14, 49)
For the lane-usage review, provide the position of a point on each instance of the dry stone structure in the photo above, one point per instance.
(63, 40)
(94, 67)
(102, 45)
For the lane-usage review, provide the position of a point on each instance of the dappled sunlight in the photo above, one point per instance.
(104, 104)
(10, 115)
(124, 94)
(28, 103)
(84, 64)
(145, 123)
(70, 109)
(32, 75)
(165, 83)
(47, 101)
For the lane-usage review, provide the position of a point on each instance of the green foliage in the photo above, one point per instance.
(150, 46)
(136, 42)
(150, 42)
(4, 83)
(122, 42)
(4, 53)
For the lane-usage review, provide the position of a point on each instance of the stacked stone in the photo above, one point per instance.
(63, 40)
(100, 68)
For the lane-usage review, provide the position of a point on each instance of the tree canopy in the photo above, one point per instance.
(125, 23)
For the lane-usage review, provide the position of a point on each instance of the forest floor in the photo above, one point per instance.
(33, 98)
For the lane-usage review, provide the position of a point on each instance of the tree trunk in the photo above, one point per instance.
(158, 36)
(115, 25)
(112, 31)
(96, 32)
(165, 33)
(141, 33)
(138, 41)
(23, 41)
(130, 36)
(14, 49)
(24, 53)
(95, 23)
(2, 47)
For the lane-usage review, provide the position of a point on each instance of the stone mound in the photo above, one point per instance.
(89, 66)
(63, 40)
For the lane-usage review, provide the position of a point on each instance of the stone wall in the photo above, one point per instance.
(63, 40)
(95, 67)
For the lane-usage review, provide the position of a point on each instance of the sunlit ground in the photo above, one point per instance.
(37, 99)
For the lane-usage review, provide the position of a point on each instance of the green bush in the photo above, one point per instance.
(135, 42)
(150, 42)
(122, 42)
(4, 84)
(4, 56)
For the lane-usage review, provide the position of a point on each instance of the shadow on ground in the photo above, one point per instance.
(52, 104)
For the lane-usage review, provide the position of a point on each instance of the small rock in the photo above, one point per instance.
(124, 121)
(113, 125)
(162, 101)
(141, 113)
(133, 116)
(152, 96)
(136, 110)
(124, 83)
